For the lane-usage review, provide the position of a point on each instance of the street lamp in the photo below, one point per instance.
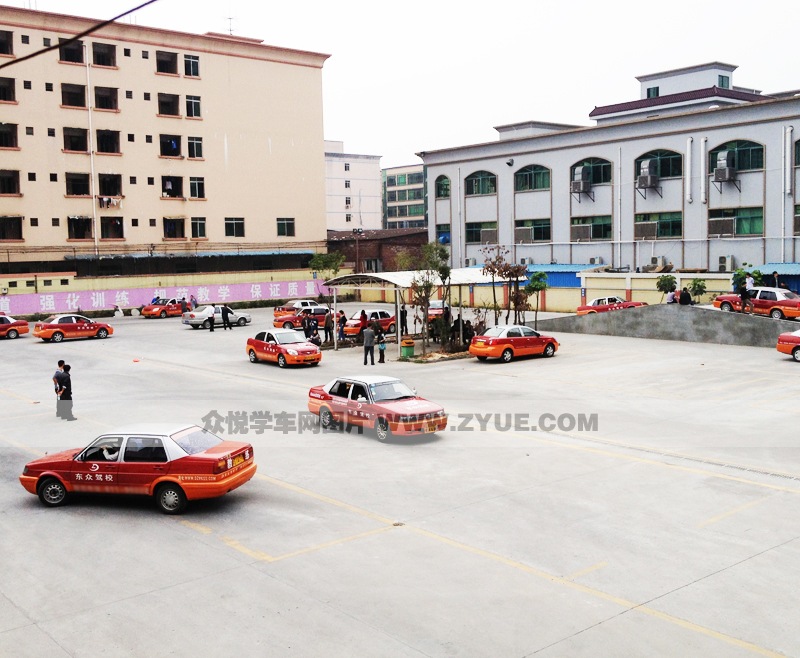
(357, 232)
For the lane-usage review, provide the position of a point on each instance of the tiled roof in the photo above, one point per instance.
(376, 234)
(669, 99)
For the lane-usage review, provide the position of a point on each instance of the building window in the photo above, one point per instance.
(31, 176)
(234, 227)
(6, 42)
(108, 141)
(652, 92)
(170, 145)
(8, 135)
(286, 226)
(416, 194)
(129, 95)
(191, 66)
(668, 164)
(145, 54)
(532, 177)
(347, 201)
(126, 52)
(131, 137)
(46, 42)
(70, 51)
(111, 228)
(151, 180)
(53, 178)
(27, 84)
(401, 179)
(169, 105)
(668, 224)
(9, 181)
(193, 106)
(443, 233)
(347, 166)
(73, 95)
(347, 184)
(599, 170)
(79, 228)
(172, 187)
(443, 188)
(135, 221)
(480, 182)
(416, 210)
(747, 156)
(197, 188)
(152, 221)
(402, 195)
(10, 228)
(724, 81)
(55, 221)
(198, 227)
(415, 179)
(600, 226)
(148, 139)
(166, 62)
(77, 184)
(746, 221)
(51, 132)
(76, 139)
(48, 86)
(29, 130)
(34, 221)
(472, 230)
(348, 217)
(8, 90)
(195, 145)
(109, 184)
(391, 196)
(104, 54)
(132, 180)
(391, 181)
(173, 227)
(146, 96)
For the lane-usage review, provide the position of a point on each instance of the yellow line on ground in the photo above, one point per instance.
(583, 572)
(735, 510)
(334, 542)
(203, 529)
(17, 396)
(236, 545)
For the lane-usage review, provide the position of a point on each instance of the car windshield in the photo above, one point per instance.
(161, 302)
(436, 303)
(289, 337)
(493, 331)
(49, 320)
(205, 309)
(196, 440)
(394, 390)
(790, 295)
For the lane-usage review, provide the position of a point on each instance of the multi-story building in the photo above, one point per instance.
(353, 189)
(696, 172)
(404, 197)
(135, 141)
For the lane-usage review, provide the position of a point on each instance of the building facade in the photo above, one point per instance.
(696, 172)
(134, 141)
(404, 197)
(352, 189)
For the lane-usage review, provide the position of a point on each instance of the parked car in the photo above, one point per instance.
(11, 328)
(171, 464)
(69, 325)
(509, 341)
(293, 307)
(201, 317)
(603, 304)
(384, 404)
(386, 320)
(789, 343)
(162, 308)
(436, 309)
(295, 320)
(777, 303)
(284, 347)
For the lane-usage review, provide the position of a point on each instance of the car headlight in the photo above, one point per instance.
(292, 352)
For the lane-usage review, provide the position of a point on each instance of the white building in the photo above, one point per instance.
(352, 189)
(696, 172)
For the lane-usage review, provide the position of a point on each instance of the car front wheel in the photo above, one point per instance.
(102, 333)
(170, 499)
(725, 306)
(52, 492)
(253, 357)
(549, 350)
(382, 429)
(163, 314)
(241, 322)
(507, 355)
(288, 325)
(281, 361)
(12, 333)
(57, 337)
(796, 354)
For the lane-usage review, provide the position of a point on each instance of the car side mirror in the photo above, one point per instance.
(271, 342)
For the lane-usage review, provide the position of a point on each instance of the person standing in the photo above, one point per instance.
(226, 318)
(747, 293)
(65, 394)
(211, 318)
(362, 321)
(382, 348)
(342, 321)
(369, 344)
(403, 320)
(57, 385)
(329, 327)
(776, 281)
(192, 302)
(184, 306)
(305, 323)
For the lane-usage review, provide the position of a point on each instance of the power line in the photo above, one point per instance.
(77, 37)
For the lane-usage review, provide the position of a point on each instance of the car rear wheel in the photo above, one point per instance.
(796, 354)
(549, 349)
(253, 357)
(326, 419)
(102, 332)
(12, 333)
(382, 429)
(281, 361)
(507, 355)
(52, 492)
(726, 306)
(241, 322)
(170, 499)
(391, 329)
(57, 337)
(288, 325)
(206, 324)
(776, 314)
(163, 314)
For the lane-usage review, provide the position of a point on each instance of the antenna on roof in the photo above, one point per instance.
(230, 25)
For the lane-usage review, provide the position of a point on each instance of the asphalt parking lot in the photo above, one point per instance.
(652, 512)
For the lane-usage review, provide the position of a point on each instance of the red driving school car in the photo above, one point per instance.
(70, 325)
(603, 304)
(162, 308)
(171, 464)
(11, 328)
(284, 347)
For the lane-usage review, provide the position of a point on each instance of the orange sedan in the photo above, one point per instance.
(163, 308)
(284, 347)
(508, 341)
(353, 326)
(70, 325)
(789, 343)
(11, 328)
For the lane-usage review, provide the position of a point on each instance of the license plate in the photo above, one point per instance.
(479, 342)
(431, 427)
(311, 358)
(238, 460)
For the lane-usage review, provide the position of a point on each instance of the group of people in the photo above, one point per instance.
(684, 297)
(62, 381)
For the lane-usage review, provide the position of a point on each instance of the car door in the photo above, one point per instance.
(534, 343)
(92, 471)
(144, 459)
(83, 327)
(340, 392)
(271, 347)
(515, 340)
(764, 302)
(358, 406)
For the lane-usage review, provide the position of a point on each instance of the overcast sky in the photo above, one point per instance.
(416, 75)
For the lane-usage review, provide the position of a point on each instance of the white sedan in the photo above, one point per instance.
(201, 317)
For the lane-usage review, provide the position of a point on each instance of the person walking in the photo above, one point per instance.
(382, 348)
(305, 323)
(342, 321)
(329, 327)
(57, 385)
(211, 318)
(226, 318)
(403, 320)
(746, 293)
(184, 305)
(369, 344)
(362, 320)
(65, 394)
(192, 302)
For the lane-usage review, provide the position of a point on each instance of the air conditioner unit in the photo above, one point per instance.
(470, 261)
(648, 167)
(581, 180)
(726, 263)
(596, 260)
(724, 174)
(523, 261)
(658, 261)
(643, 182)
(579, 186)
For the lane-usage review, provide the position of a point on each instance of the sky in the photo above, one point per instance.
(411, 76)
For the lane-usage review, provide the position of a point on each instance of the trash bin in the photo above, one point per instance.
(407, 348)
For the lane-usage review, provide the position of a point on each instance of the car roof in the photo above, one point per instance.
(155, 429)
(509, 326)
(369, 379)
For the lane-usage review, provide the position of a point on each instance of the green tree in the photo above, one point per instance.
(740, 274)
(697, 288)
(535, 286)
(665, 283)
(326, 266)
(494, 260)
(432, 266)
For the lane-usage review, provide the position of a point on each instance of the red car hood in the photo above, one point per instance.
(410, 406)
(56, 457)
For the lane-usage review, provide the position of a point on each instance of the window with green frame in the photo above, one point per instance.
(402, 195)
(442, 187)
(416, 194)
(541, 228)
(601, 225)
(480, 182)
(391, 181)
(748, 156)
(748, 221)
(532, 177)
(472, 230)
(670, 164)
(442, 230)
(401, 179)
(600, 170)
(417, 210)
(670, 224)
(416, 179)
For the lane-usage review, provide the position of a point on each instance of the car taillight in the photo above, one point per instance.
(221, 466)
